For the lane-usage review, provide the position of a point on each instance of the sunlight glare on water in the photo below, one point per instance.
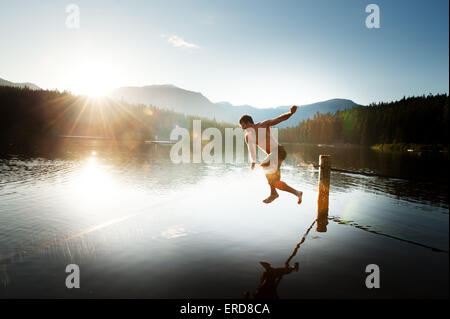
(165, 230)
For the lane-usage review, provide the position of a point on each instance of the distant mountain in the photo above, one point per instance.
(172, 98)
(304, 111)
(20, 85)
(194, 103)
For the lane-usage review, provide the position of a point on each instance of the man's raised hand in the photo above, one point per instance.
(293, 109)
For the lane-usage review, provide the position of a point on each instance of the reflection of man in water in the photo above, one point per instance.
(269, 281)
(276, 152)
(271, 277)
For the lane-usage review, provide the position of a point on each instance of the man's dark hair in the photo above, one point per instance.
(246, 119)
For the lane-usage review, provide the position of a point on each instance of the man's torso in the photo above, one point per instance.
(263, 138)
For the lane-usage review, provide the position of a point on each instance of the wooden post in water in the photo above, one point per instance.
(324, 191)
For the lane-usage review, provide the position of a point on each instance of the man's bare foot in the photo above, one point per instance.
(300, 194)
(271, 198)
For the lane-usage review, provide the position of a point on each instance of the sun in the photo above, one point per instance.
(93, 84)
(95, 90)
(91, 76)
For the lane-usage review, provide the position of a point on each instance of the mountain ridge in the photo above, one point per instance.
(30, 85)
(171, 97)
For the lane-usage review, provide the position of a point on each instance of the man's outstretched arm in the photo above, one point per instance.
(279, 119)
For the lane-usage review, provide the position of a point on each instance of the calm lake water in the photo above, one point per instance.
(140, 226)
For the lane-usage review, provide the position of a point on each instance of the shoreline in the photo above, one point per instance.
(395, 148)
(410, 148)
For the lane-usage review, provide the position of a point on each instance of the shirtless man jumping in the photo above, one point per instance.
(275, 152)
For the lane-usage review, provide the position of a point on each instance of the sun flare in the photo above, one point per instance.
(94, 86)
(92, 76)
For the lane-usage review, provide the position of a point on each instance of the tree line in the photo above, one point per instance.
(418, 120)
(33, 116)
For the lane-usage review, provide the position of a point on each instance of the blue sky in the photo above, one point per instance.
(262, 53)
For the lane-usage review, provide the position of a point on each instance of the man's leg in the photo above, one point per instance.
(273, 195)
(285, 187)
(271, 179)
(280, 184)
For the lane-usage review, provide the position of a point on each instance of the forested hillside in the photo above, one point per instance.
(29, 116)
(418, 120)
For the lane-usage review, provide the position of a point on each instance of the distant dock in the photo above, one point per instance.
(85, 137)
(160, 142)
